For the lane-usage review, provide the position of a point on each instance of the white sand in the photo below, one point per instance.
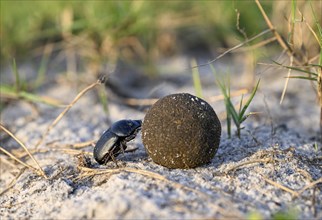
(245, 176)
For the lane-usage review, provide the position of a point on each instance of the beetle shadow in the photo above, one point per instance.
(134, 153)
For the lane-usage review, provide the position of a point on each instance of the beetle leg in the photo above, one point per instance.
(113, 158)
(123, 147)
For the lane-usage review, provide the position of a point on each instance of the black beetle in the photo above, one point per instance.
(113, 140)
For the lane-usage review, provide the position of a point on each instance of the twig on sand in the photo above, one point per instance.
(310, 185)
(293, 192)
(65, 150)
(59, 117)
(232, 213)
(6, 161)
(267, 160)
(75, 145)
(27, 151)
(13, 182)
(16, 159)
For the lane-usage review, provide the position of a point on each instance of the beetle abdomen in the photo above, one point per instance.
(104, 147)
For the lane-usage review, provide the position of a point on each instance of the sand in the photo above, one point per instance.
(273, 167)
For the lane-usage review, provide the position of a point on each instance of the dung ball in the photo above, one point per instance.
(181, 131)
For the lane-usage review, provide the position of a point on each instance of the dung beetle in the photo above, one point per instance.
(113, 140)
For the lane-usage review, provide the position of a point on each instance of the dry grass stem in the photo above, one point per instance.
(149, 102)
(287, 80)
(299, 192)
(13, 182)
(74, 145)
(276, 34)
(98, 82)
(233, 48)
(231, 214)
(16, 159)
(26, 149)
(267, 160)
(311, 60)
(310, 185)
(57, 174)
(74, 151)
(64, 150)
(143, 102)
(309, 27)
(9, 163)
(294, 193)
(258, 45)
(232, 94)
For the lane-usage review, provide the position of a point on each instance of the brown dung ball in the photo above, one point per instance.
(181, 131)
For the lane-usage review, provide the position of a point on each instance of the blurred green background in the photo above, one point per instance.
(148, 28)
(145, 31)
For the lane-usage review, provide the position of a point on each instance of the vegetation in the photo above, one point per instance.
(104, 26)
(100, 32)
(297, 47)
(105, 31)
(238, 116)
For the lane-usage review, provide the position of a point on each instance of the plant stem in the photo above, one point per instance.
(238, 131)
(321, 121)
(319, 80)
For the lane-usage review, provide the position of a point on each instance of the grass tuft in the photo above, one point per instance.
(239, 116)
(19, 91)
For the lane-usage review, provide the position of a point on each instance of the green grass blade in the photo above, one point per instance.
(10, 92)
(291, 34)
(196, 79)
(233, 113)
(244, 118)
(229, 105)
(228, 85)
(241, 104)
(295, 68)
(303, 77)
(315, 65)
(228, 123)
(241, 115)
(103, 99)
(42, 70)
(35, 98)
(221, 85)
(17, 77)
(317, 23)
(230, 108)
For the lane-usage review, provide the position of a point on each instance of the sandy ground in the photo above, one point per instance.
(273, 167)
